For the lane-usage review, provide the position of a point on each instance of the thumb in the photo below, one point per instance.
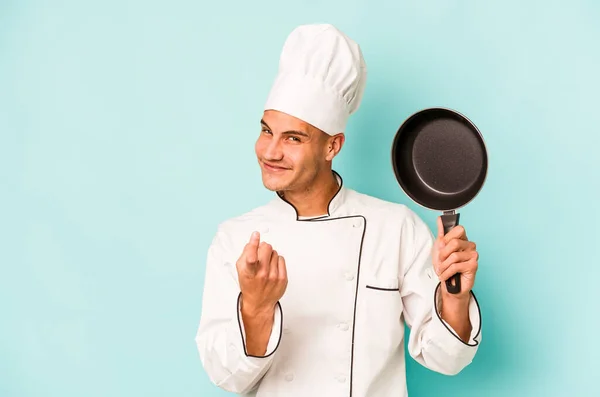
(440, 225)
(255, 238)
(439, 242)
(252, 248)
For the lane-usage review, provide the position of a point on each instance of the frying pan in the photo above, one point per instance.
(440, 161)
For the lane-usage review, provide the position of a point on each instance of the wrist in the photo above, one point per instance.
(455, 303)
(462, 298)
(454, 309)
(252, 310)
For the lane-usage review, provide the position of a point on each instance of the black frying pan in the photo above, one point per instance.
(440, 160)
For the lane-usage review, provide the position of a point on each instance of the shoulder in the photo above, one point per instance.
(389, 214)
(380, 208)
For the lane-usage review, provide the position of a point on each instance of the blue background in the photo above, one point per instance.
(126, 136)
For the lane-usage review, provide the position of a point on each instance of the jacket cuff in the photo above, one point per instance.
(276, 330)
(448, 338)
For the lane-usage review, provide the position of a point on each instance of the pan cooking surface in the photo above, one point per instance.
(447, 156)
(439, 159)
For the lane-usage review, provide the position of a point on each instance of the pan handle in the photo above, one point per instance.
(449, 220)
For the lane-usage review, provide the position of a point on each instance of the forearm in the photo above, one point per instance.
(258, 326)
(455, 312)
(222, 337)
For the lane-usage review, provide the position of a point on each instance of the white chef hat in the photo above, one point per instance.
(321, 77)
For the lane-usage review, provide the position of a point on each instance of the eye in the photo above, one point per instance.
(294, 138)
(265, 131)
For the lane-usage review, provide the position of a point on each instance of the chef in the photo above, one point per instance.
(309, 294)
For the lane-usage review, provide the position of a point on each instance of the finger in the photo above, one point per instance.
(274, 266)
(464, 267)
(457, 231)
(265, 251)
(455, 257)
(251, 249)
(438, 246)
(282, 269)
(455, 245)
(254, 239)
(440, 225)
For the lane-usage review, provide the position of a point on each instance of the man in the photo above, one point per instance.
(308, 295)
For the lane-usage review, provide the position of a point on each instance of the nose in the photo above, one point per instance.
(273, 151)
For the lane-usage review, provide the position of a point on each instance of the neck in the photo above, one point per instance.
(314, 200)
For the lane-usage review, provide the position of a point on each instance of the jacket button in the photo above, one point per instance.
(289, 377)
(343, 326)
(341, 378)
(349, 276)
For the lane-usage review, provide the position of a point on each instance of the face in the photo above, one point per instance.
(293, 154)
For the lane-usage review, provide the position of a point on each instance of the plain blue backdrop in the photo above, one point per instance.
(126, 135)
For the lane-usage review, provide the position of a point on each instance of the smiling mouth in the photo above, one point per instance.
(274, 167)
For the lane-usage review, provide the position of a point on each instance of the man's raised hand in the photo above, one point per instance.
(262, 276)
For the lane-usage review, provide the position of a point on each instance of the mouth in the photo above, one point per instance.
(273, 168)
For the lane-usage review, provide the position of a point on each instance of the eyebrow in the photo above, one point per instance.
(289, 132)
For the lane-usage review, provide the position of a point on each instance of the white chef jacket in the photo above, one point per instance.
(355, 277)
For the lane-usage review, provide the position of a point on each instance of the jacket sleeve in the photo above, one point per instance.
(432, 342)
(220, 338)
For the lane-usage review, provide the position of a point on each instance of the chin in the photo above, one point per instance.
(274, 183)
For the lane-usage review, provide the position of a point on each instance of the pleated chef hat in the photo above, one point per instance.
(321, 77)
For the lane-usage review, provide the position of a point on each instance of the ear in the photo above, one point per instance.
(334, 145)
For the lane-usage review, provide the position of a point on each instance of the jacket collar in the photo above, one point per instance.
(286, 210)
